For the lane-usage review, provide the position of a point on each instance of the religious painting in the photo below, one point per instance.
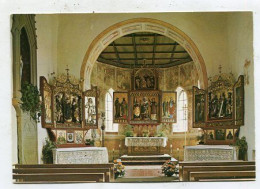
(171, 78)
(78, 137)
(120, 107)
(210, 135)
(90, 107)
(169, 107)
(220, 99)
(46, 92)
(109, 76)
(144, 107)
(199, 107)
(68, 109)
(239, 101)
(70, 137)
(123, 79)
(144, 79)
(220, 134)
(61, 137)
(229, 134)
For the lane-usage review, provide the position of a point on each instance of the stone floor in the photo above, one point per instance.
(145, 173)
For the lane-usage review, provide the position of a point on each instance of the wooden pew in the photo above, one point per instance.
(189, 169)
(219, 175)
(63, 172)
(184, 175)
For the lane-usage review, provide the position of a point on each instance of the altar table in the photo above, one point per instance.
(145, 145)
(210, 153)
(84, 155)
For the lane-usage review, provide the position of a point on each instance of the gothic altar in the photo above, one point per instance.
(145, 145)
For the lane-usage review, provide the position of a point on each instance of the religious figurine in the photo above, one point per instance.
(117, 108)
(230, 136)
(91, 112)
(136, 109)
(153, 105)
(171, 107)
(59, 112)
(67, 108)
(145, 108)
(124, 108)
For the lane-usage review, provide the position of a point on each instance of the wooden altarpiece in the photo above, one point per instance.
(219, 110)
(67, 111)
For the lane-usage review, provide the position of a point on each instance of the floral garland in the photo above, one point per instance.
(119, 169)
(169, 168)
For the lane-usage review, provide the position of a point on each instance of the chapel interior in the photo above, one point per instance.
(145, 97)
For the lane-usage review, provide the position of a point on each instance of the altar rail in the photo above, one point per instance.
(63, 173)
(217, 171)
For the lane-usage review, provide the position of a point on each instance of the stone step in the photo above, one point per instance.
(145, 160)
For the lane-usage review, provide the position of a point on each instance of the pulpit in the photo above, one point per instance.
(210, 153)
(84, 155)
(145, 145)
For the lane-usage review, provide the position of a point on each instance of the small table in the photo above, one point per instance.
(84, 155)
(145, 145)
(210, 153)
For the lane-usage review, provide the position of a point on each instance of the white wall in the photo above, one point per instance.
(77, 31)
(240, 43)
(47, 28)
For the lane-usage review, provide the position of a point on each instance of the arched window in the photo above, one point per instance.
(182, 111)
(110, 126)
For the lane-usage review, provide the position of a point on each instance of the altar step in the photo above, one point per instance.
(145, 160)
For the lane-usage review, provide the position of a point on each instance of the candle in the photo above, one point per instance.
(119, 145)
(171, 146)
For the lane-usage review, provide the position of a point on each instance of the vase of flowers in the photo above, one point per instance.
(169, 168)
(119, 169)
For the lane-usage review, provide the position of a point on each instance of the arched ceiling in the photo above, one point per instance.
(135, 49)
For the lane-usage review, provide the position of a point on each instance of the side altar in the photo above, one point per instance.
(80, 155)
(210, 153)
(145, 145)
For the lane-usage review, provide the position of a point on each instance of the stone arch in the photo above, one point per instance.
(26, 128)
(141, 25)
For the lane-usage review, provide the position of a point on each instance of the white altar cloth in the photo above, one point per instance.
(146, 141)
(83, 155)
(210, 153)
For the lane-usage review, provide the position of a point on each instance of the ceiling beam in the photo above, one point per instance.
(173, 51)
(145, 59)
(135, 51)
(143, 35)
(154, 46)
(115, 49)
(145, 52)
(127, 65)
(143, 44)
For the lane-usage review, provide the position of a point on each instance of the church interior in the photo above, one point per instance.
(133, 97)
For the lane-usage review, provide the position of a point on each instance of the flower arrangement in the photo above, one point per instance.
(169, 168)
(89, 142)
(47, 156)
(119, 169)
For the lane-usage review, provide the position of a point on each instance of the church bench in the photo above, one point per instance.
(188, 169)
(219, 175)
(184, 164)
(106, 169)
(59, 177)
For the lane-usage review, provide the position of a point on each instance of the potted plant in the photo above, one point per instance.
(160, 134)
(89, 142)
(47, 155)
(169, 168)
(129, 131)
(201, 138)
(119, 169)
(242, 148)
(30, 100)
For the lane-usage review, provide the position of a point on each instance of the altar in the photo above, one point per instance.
(210, 153)
(83, 155)
(145, 145)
